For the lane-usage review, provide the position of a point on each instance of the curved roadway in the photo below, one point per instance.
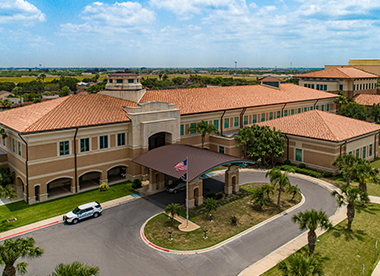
(113, 243)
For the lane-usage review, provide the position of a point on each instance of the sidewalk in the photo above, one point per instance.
(296, 244)
(58, 219)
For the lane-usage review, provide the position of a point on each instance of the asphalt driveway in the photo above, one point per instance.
(113, 243)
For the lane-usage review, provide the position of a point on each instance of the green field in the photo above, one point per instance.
(27, 214)
(344, 252)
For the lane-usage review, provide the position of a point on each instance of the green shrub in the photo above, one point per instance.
(103, 187)
(287, 162)
(211, 195)
(328, 174)
(234, 220)
(219, 196)
(136, 183)
(309, 172)
(302, 166)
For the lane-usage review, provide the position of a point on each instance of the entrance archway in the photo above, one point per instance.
(116, 174)
(20, 187)
(89, 180)
(159, 139)
(59, 187)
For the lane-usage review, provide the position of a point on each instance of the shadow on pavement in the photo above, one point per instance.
(162, 199)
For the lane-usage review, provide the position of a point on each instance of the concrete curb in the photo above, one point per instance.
(58, 219)
(207, 249)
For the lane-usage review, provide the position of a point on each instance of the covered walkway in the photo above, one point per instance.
(161, 162)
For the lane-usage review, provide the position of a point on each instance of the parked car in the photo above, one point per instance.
(176, 186)
(92, 209)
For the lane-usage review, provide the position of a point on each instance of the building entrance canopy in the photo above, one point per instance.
(163, 159)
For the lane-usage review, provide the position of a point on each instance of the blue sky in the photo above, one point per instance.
(187, 33)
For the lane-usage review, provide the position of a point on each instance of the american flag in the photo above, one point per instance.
(181, 166)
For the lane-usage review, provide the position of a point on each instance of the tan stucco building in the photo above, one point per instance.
(73, 143)
(350, 80)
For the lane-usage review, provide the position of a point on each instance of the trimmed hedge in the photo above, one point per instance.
(309, 172)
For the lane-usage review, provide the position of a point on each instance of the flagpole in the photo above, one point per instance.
(187, 193)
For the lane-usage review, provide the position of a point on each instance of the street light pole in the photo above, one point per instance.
(187, 193)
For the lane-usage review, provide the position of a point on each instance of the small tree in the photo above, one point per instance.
(210, 204)
(301, 265)
(65, 91)
(11, 250)
(244, 138)
(350, 196)
(346, 165)
(354, 110)
(374, 112)
(76, 268)
(277, 177)
(172, 209)
(312, 220)
(364, 173)
(269, 190)
(259, 197)
(293, 190)
(203, 128)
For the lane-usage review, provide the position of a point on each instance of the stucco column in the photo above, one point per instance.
(152, 181)
(199, 197)
(103, 178)
(161, 181)
(228, 182)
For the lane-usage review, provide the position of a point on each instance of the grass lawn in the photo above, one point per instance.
(27, 214)
(372, 188)
(238, 204)
(344, 252)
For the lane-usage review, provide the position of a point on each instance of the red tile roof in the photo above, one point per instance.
(322, 125)
(66, 112)
(269, 79)
(338, 73)
(366, 99)
(97, 109)
(198, 100)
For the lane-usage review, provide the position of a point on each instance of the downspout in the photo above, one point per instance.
(315, 103)
(282, 110)
(26, 169)
(287, 147)
(241, 117)
(75, 161)
(221, 123)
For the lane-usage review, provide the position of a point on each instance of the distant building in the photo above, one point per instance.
(368, 65)
(349, 80)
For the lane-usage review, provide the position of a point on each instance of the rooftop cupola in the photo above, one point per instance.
(124, 85)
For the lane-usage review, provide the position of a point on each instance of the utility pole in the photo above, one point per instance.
(235, 67)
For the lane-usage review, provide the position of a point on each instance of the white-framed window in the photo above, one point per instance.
(64, 148)
(103, 142)
(121, 139)
(84, 144)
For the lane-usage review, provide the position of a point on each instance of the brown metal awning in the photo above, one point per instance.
(164, 158)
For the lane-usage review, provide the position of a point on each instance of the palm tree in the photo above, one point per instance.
(203, 128)
(365, 173)
(76, 268)
(210, 204)
(350, 196)
(268, 189)
(259, 197)
(8, 192)
(172, 209)
(301, 265)
(312, 220)
(11, 250)
(293, 190)
(277, 177)
(346, 165)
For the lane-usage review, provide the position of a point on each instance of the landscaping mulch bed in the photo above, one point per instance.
(238, 204)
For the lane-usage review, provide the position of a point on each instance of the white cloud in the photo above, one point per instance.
(19, 11)
(189, 7)
(253, 5)
(111, 19)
